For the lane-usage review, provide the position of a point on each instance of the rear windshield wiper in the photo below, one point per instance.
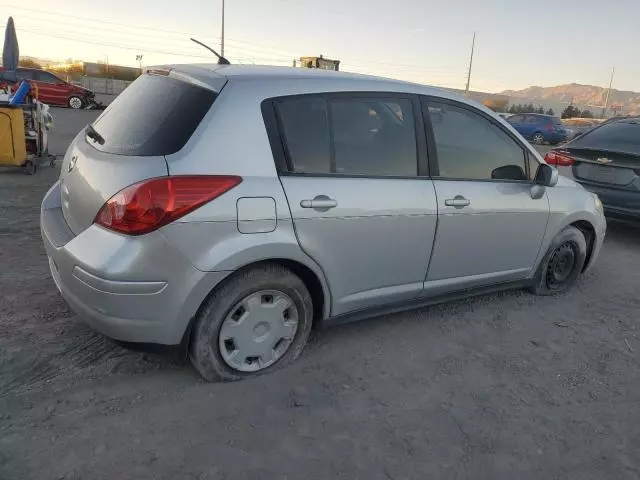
(92, 134)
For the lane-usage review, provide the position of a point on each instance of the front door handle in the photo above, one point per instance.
(319, 202)
(458, 202)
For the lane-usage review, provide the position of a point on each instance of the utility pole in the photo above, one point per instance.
(473, 44)
(606, 100)
(139, 59)
(222, 35)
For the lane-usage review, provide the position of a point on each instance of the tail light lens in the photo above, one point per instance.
(151, 204)
(559, 159)
(550, 127)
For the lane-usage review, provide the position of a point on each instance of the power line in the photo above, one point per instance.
(136, 28)
(253, 47)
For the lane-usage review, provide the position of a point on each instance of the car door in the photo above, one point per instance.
(490, 225)
(51, 89)
(517, 121)
(362, 204)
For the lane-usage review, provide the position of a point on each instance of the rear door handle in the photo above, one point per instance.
(458, 202)
(319, 202)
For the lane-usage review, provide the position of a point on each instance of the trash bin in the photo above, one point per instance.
(13, 151)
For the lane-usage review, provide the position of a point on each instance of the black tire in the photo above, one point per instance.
(571, 245)
(76, 102)
(204, 351)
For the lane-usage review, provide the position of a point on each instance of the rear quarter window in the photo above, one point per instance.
(155, 115)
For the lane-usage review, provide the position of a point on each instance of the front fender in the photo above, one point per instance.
(568, 205)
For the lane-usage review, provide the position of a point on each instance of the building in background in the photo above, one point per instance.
(75, 70)
(319, 62)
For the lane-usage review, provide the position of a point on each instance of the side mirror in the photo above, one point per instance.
(546, 176)
(508, 172)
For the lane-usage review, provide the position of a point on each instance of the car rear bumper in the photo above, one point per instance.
(134, 289)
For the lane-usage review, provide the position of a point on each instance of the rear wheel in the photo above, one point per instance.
(562, 264)
(75, 102)
(537, 139)
(257, 321)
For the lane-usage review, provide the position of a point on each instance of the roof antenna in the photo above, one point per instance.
(221, 59)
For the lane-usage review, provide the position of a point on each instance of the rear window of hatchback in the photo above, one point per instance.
(155, 115)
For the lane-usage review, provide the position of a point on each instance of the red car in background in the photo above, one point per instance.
(53, 90)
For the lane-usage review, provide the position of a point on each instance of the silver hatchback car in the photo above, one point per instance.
(228, 208)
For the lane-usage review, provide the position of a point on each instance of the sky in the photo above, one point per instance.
(518, 43)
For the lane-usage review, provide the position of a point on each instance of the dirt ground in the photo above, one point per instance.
(498, 387)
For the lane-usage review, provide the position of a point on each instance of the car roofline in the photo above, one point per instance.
(214, 76)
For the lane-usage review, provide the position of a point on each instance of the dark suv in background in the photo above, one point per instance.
(53, 90)
(539, 128)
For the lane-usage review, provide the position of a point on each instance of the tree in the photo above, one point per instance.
(586, 114)
(540, 109)
(570, 112)
(29, 63)
(530, 108)
(550, 111)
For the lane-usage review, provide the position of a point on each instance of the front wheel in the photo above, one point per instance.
(257, 321)
(75, 102)
(561, 266)
(537, 139)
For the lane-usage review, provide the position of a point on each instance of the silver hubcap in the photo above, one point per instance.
(537, 138)
(258, 330)
(75, 102)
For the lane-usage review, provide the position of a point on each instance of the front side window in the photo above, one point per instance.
(349, 135)
(469, 146)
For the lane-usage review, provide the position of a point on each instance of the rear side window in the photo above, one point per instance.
(24, 74)
(349, 135)
(622, 136)
(46, 77)
(155, 115)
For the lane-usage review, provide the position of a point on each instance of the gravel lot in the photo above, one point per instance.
(498, 387)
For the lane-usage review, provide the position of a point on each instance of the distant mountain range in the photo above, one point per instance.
(582, 96)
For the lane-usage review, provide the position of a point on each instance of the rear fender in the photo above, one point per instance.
(228, 250)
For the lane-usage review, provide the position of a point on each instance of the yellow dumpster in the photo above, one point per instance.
(13, 150)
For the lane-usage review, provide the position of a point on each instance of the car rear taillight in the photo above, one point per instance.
(151, 204)
(549, 127)
(559, 159)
